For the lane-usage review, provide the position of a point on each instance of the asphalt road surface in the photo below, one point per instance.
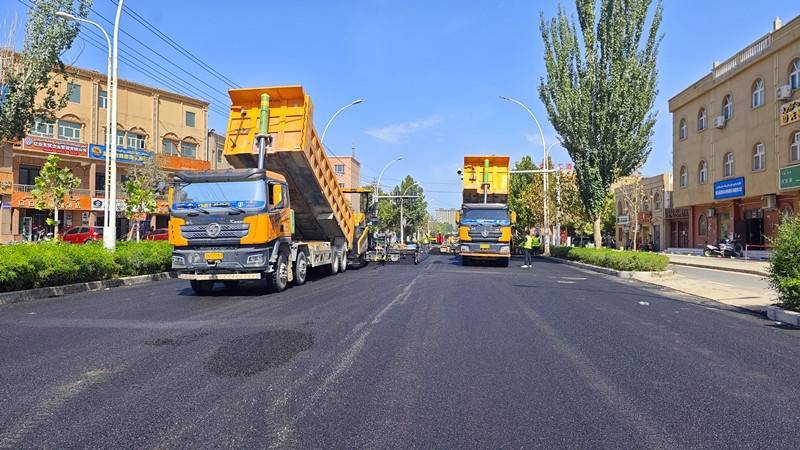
(433, 356)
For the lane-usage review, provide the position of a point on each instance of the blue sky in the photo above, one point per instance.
(430, 71)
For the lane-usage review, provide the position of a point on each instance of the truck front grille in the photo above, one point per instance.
(485, 234)
(227, 231)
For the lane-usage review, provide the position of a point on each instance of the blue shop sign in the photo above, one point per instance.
(124, 154)
(729, 188)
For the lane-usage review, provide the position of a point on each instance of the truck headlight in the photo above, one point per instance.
(505, 249)
(178, 261)
(465, 249)
(257, 259)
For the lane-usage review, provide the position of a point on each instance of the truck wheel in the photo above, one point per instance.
(300, 269)
(343, 263)
(279, 277)
(333, 269)
(201, 287)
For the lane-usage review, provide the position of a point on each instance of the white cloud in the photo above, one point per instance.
(394, 133)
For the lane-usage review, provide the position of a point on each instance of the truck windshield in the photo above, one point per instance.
(228, 194)
(499, 216)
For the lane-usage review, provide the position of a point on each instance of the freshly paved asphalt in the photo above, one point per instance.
(432, 356)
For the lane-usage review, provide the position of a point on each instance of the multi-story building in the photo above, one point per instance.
(348, 172)
(152, 124)
(216, 147)
(653, 203)
(446, 215)
(736, 144)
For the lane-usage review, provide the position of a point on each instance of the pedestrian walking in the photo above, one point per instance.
(528, 245)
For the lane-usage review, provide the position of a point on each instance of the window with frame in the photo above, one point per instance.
(657, 201)
(74, 92)
(727, 107)
(341, 185)
(69, 131)
(43, 127)
(728, 165)
(338, 169)
(794, 74)
(136, 140)
(702, 225)
(102, 99)
(702, 173)
(683, 132)
(759, 157)
(120, 138)
(758, 93)
(188, 149)
(28, 175)
(168, 147)
(684, 177)
(190, 119)
(702, 119)
(794, 148)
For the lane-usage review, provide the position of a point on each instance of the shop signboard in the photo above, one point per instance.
(729, 188)
(789, 178)
(790, 112)
(58, 147)
(676, 213)
(622, 220)
(124, 154)
(71, 203)
(98, 204)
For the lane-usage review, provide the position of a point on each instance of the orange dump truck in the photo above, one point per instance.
(484, 222)
(277, 214)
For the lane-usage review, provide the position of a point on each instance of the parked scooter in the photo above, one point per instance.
(726, 249)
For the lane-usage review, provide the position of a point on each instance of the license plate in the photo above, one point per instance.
(213, 256)
(484, 246)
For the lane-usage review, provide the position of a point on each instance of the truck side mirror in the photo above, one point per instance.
(513, 217)
(458, 217)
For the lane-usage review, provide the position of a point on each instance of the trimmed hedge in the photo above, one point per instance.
(784, 270)
(613, 259)
(29, 266)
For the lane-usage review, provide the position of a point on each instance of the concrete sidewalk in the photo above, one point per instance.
(733, 265)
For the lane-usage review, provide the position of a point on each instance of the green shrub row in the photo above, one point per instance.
(613, 259)
(784, 271)
(29, 266)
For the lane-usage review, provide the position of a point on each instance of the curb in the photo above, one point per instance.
(58, 291)
(781, 315)
(724, 269)
(617, 273)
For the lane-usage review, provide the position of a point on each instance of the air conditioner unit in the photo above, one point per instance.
(710, 212)
(769, 201)
(719, 122)
(783, 92)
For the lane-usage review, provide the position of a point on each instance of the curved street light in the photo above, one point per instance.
(339, 111)
(546, 166)
(378, 181)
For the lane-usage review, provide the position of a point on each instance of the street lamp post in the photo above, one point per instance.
(544, 147)
(557, 237)
(110, 237)
(109, 234)
(327, 125)
(378, 181)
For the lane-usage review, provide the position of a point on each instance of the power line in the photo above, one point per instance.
(137, 17)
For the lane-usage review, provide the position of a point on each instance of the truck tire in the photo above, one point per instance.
(201, 287)
(343, 263)
(333, 268)
(279, 277)
(300, 269)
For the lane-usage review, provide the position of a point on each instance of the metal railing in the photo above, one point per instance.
(743, 56)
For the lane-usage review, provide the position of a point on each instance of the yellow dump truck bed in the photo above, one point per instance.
(491, 172)
(320, 207)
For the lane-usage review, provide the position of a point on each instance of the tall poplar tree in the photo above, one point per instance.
(600, 89)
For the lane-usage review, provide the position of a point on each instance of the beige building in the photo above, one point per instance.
(152, 124)
(348, 172)
(654, 202)
(736, 144)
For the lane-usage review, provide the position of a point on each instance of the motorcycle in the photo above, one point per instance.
(726, 249)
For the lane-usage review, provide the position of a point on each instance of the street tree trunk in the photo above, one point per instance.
(598, 238)
(55, 224)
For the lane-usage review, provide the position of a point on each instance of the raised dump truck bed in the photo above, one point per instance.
(485, 172)
(321, 211)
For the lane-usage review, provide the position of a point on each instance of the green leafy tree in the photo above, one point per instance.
(51, 188)
(784, 269)
(599, 91)
(415, 210)
(141, 191)
(39, 71)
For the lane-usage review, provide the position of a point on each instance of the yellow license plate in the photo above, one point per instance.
(213, 256)
(484, 246)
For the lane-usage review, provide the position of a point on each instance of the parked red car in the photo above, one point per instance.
(82, 235)
(159, 234)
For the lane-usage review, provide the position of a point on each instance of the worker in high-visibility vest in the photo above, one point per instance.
(531, 242)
